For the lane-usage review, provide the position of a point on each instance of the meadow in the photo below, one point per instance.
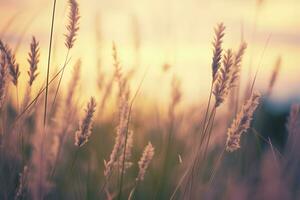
(126, 141)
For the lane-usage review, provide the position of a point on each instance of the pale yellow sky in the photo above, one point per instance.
(173, 31)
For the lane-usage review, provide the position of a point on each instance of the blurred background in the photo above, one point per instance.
(152, 34)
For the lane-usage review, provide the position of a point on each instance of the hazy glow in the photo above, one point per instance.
(172, 31)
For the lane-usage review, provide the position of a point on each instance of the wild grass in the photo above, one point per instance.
(182, 152)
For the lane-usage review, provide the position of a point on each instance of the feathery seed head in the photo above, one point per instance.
(274, 74)
(237, 64)
(221, 85)
(217, 49)
(126, 161)
(84, 132)
(239, 55)
(11, 62)
(73, 25)
(175, 97)
(241, 123)
(117, 66)
(120, 137)
(121, 80)
(33, 60)
(176, 92)
(3, 76)
(145, 161)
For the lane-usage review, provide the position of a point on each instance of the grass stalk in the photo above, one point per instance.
(49, 60)
(126, 135)
(214, 170)
(59, 82)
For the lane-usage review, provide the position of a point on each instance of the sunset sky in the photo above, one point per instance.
(170, 31)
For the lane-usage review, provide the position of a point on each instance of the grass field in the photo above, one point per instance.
(115, 104)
